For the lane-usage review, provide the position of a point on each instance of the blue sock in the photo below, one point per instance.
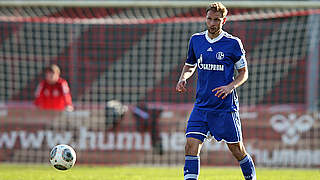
(247, 168)
(191, 167)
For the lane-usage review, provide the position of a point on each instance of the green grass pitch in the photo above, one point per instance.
(46, 172)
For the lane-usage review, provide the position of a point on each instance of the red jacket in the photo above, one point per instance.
(53, 96)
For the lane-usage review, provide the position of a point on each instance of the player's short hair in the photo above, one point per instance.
(217, 7)
(53, 68)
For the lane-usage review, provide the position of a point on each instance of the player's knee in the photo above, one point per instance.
(192, 148)
(237, 150)
(189, 149)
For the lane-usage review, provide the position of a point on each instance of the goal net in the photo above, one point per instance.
(122, 62)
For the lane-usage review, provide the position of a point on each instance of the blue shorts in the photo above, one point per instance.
(221, 125)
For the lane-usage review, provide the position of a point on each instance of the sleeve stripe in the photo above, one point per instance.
(241, 46)
(190, 64)
(38, 90)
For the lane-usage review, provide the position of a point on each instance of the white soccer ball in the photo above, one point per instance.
(62, 157)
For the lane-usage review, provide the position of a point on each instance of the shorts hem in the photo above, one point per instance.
(202, 139)
(197, 133)
(231, 142)
(210, 109)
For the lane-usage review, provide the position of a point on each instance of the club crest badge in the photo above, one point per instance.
(220, 55)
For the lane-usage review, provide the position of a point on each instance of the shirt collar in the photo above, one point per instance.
(214, 39)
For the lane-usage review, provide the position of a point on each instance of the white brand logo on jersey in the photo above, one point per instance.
(220, 55)
(209, 49)
(210, 67)
(291, 126)
(55, 93)
(46, 92)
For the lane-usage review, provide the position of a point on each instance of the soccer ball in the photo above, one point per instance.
(62, 157)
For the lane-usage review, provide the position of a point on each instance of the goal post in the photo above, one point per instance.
(122, 60)
(162, 4)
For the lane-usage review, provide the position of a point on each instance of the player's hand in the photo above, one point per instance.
(181, 86)
(69, 108)
(223, 91)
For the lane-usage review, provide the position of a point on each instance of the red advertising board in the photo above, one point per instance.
(281, 135)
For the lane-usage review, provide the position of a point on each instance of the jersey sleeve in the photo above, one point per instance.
(66, 93)
(38, 94)
(239, 55)
(39, 89)
(238, 50)
(191, 58)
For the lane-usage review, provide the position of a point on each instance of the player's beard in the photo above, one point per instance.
(213, 30)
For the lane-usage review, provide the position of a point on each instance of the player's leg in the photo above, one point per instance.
(227, 126)
(192, 159)
(195, 133)
(246, 162)
(235, 145)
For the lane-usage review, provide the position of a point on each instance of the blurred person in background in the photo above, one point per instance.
(147, 121)
(53, 93)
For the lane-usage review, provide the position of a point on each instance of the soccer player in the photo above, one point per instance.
(53, 93)
(215, 54)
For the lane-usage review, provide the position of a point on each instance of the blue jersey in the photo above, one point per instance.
(216, 60)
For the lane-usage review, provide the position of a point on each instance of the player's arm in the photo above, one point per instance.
(38, 93)
(186, 73)
(223, 91)
(67, 96)
(188, 68)
(241, 77)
